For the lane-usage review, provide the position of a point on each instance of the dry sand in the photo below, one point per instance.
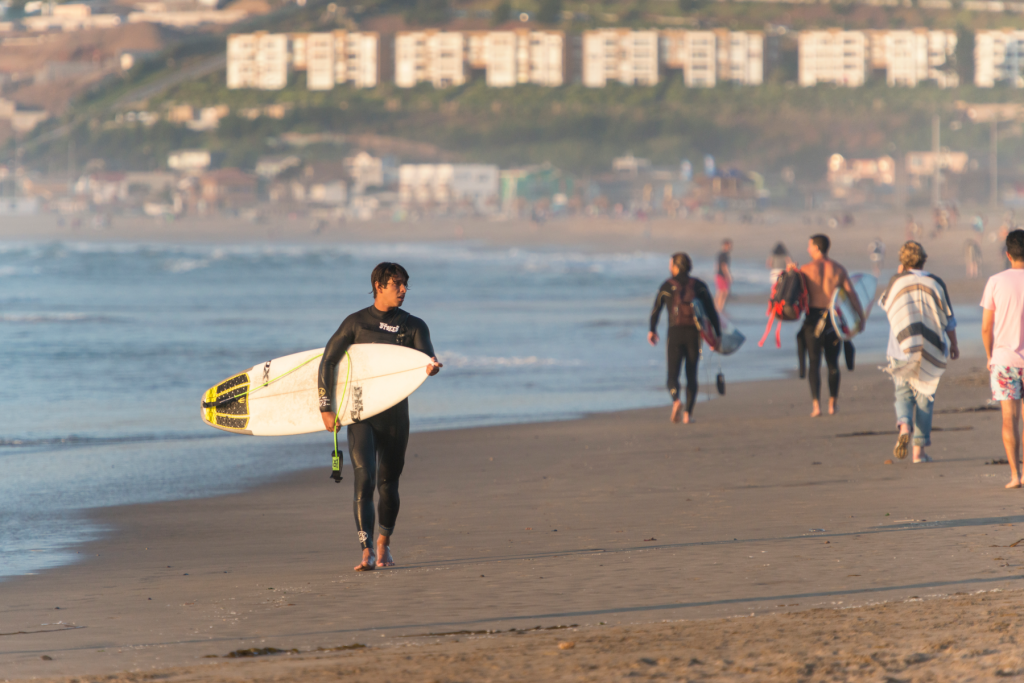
(753, 544)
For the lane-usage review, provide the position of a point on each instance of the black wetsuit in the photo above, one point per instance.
(826, 344)
(376, 444)
(683, 341)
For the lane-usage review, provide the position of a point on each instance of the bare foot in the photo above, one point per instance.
(369, 562)
(815, 409)
(686, 418)
(384, 553)
(1014, 484)
(677, 406)
(832, 406)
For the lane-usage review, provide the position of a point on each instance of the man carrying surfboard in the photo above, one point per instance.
(376, 444)
(823, 277)
(689, 305)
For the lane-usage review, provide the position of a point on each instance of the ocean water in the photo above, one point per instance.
(106, 349)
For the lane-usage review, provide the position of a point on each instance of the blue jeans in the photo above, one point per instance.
(915, 409)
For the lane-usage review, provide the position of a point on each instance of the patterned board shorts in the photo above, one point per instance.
(1006, 382)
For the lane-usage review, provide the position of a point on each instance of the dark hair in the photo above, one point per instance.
(780, 250)
(682, 261)
(822, 242)
(383, 274)
(1015, 245)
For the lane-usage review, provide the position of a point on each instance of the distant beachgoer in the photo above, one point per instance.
(723, 275)
(778, 261)
(920, 319)
(876, 252)
(978, 224)
(941, 221)
(823, 276)
(972, 257)
(913, 230)
(684, 340)
(1002, 333)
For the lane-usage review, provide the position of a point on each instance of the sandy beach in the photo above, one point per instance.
(610, 524)
(753, 544)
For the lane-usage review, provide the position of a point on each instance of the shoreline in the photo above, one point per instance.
(477, 546)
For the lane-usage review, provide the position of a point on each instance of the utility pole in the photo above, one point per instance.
(993, 164)
(937, 177)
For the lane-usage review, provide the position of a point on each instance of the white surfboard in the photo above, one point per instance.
(844, 317)
(279, 397)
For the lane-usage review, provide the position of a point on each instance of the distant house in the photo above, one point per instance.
(323, 182)
(228, 188)
(103, 187)
(189, 160)
(365, 170)
(272, 166)
(444, 184)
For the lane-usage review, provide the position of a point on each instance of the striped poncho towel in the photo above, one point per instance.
(919, 311)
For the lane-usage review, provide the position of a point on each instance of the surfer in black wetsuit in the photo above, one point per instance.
(678, 293)
(376, 444)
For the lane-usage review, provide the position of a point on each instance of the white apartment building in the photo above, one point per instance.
(241, 58)
(998, 56)
(357, 60)
(693, 52)
(547, 58)
(709, 57)
(262, 60)
(832, 56)
(430, 56)
(619, 54)
(912, 56)
(257, 60)
(319, 60)
(740, 57)
(518, 56)
(272, 61)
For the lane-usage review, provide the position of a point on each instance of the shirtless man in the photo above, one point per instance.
(823, 277)
(376, 444)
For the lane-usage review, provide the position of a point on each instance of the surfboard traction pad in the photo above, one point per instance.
(233, 415)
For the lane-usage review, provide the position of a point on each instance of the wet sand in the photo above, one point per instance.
(765, 531)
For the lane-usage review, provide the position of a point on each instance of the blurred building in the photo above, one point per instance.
(447, 184)
(998, 57)
(709, 57)
(620, 54)
(911, 56)
(337, 57)
(257, 60)
(429, 56)
(70, 17)
(189, 160)
(510, 58)
(923, 163)
(832, 56)
(228, 188)
(844, 174)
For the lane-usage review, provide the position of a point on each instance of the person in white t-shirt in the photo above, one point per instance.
(1002, 332)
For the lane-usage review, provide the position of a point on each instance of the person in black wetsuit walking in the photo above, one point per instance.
(376, 444)
(678, 293)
